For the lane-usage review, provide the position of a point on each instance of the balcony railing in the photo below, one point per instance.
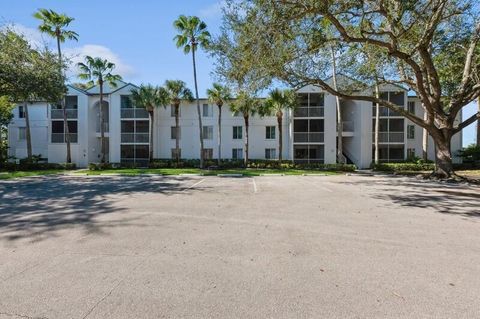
(385, 111)
(389, 137)
(134, 113)
(303, 111)
(135, 138)
(303, 137)
(60, 137)
(58, 114)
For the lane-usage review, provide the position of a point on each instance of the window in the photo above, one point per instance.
(397, 98)
(126, 102)
(207, 132)
(410, 153)
(207, 110)
(270, 132)
(22, 133)
(173, 133)
(21, 112)
(71, 102)
(410, 132)
(270, 153)
(58, 131)
(237, 133)
(174, 153)
(237, 153)
(207, 153)
(172, 111)
(411, 107)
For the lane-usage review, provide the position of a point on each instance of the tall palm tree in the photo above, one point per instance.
(277, 102)
(193, 34)
(149, 98)
(99, 71)
(248, 106)
(218, 95)
(54, 24)
(172, 93)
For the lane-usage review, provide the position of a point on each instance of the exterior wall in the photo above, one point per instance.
(189, 132)
(357, 140)
(38, 131)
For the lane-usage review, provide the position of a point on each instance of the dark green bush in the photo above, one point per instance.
(399, 167)
(470, 155)
(99, 166)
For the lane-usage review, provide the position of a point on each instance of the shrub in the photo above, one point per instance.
(470, 155)
(99, 166)
(399, 167)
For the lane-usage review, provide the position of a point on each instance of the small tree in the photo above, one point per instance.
(149, 98)
(248, 106)
(172, 93)
(276, 103)
(218, 95)
(6, 115)
(192, 35)
(99, 71)
(54, 25)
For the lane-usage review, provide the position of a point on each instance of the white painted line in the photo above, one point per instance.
(197, 183)
(255, 190)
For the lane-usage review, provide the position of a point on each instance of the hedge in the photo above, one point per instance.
(398, 167)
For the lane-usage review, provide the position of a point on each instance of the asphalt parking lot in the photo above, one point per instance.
(263, 247)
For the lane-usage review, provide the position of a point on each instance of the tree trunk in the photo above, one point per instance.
(425, 139)
(151, 136)
(63, 104)
(340, 157)
(27, 131)
(377, 125)
(280, 135)
(102, 124)
(443, 158)
(245, 159)
(219, 135)
(177, 135)
(198, 105)
(478, 122)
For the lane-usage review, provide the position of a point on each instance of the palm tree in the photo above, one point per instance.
(278, 101)
(217, 95)
(54, 25)
(172, 93)
(192, 34)
(149, 98)
(248, 106)
(99, 71)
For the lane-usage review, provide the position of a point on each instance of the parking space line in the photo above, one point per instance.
(255, 189)
(197, 183)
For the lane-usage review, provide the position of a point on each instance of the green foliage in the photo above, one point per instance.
(246, 104)
(35, 164)
(470, 154)
(192, 33)
(6, 111)
(148, 97)
(174, 91)
(98, 71)
(54, 25)
(278, 101)
(218, 94)
(403, 167)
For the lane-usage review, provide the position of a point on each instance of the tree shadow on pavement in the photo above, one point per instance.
(445, 198)
(37, 208)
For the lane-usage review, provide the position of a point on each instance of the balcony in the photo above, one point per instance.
(304, 137)
(132, 113)
(304, 111)
(142, 138)
(56, 114)
(60, 137)
(389, 137)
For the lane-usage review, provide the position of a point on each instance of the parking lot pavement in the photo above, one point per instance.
(263, 247)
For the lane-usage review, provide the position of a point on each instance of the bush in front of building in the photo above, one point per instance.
(470, 156)
(403, 167)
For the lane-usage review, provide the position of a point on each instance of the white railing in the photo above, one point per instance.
(134, 113)
(389, 137)
(304, 137)
(60, 137)
(58, 114)
(135, 138)
(312, 111)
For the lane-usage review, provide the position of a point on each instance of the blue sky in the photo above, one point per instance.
(136, 35)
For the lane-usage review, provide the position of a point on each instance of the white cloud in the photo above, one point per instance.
(212, 11)
(78, 54)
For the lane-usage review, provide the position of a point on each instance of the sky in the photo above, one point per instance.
(136, 35)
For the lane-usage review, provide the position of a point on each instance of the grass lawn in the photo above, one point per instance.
(10, 175)
(178, 171)
(474, 173)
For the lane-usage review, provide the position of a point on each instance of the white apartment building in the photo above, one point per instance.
(309, 131)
